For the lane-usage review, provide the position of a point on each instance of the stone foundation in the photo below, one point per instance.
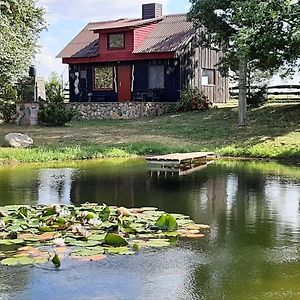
(119, 110)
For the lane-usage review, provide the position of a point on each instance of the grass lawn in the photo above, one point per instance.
(273, 131)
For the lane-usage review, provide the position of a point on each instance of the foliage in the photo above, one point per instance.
(8, 99)
(54, 88)
(25, 87)
(265, 33)
(20, 24)
(192, 99)
(258, 97)
(85, 232)
(55, 112)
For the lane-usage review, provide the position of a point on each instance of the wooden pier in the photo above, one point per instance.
(180, 163)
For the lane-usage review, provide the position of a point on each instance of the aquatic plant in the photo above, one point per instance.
(90, 232)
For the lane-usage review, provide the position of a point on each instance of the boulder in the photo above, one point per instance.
(18, 140)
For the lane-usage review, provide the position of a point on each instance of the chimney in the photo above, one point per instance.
(152, 10)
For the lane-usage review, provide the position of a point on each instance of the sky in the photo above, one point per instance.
(66, 19)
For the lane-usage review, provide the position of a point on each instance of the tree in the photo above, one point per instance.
(258, 34)
(21, 21)
(54, 87)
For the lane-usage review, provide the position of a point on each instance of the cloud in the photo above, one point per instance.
(66, 18)
(93, 10)
(47, 63)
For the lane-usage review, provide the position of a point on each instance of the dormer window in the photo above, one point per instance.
(116, 41)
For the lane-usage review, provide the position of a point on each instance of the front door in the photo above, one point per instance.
(124, 83)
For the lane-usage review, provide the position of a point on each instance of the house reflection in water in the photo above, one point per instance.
(55, 186)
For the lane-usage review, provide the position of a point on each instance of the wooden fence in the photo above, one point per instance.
(276, 93)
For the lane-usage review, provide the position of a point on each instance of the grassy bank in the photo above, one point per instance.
(273, 131)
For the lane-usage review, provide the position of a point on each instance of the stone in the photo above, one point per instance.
(115, 116)
(18, 140)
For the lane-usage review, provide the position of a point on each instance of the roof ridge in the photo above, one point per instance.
(176, 15)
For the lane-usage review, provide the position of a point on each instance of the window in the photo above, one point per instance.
(156, 77)
(116, 41)
(103, 78)
(208, 76)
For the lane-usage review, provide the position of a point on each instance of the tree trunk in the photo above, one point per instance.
(242, 91)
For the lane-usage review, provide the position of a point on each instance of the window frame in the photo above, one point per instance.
(114, 34)
(94, 79)
(213, 77)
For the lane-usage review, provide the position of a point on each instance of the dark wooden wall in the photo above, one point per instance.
(170, 93)
(193, 60)
(86, 86)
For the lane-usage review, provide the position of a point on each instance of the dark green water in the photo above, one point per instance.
(251, 251)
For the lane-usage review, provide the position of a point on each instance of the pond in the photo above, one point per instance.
(250, 252)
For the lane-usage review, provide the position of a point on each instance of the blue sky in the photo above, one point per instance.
(66, 18)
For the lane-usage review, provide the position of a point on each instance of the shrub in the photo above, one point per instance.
(192, 99)
(55, 112)
(257, 98)
(8, 99)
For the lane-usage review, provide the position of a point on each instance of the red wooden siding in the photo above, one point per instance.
(141, 33)
(106, 54)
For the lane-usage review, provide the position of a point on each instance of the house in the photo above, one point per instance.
(145, 60)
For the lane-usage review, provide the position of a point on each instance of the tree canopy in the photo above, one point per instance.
(265, 32)
(261, 34)
(21, 21)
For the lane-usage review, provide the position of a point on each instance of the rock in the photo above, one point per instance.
(115, 116)
(18, 140)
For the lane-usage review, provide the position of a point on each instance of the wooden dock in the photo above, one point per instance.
(180, 163)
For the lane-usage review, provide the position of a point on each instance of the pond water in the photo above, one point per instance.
(251, 251)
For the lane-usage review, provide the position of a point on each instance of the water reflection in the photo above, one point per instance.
(251, 252)
(55, 186)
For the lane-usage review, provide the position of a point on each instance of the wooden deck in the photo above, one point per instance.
(180, 163)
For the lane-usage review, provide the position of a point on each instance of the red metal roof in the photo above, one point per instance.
(170, 35)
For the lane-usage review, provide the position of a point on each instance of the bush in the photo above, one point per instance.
(55, 112)
(8, 99)
(258, 97)
(192, 99)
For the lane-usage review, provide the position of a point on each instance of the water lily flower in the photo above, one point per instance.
(2, 224)
(59, 242)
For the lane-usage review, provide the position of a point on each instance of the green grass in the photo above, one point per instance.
(273, 131)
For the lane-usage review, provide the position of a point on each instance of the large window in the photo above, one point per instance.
(208, 77)
(103, 78)
(156, 77)
(116, 41)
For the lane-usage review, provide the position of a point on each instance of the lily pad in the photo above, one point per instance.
(115, 240)
(87, 252)
(89, 231)
(119, 250)
(48, 236)
(157, 243)
(96, 257)
(21, 260)
(166, 222)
